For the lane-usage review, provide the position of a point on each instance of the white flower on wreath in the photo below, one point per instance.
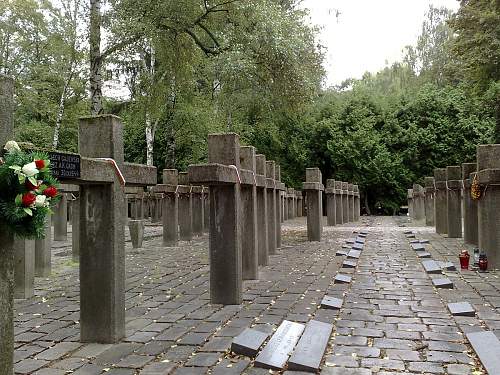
(12, 146)
(30, 169)
(40, 201)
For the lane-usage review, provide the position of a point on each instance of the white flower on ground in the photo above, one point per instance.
(30, 169)
(11, 146)
(40, 200)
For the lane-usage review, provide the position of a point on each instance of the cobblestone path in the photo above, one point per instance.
(393, 320)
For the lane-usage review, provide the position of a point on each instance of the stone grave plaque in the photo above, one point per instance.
(354, 254)
(360, 240)
(349, 264)
(443, 283)
(346, 247)
(410, 236)
(64, 166)
(447, 266)
(431, 266)
(248, 342)
(423, 254)
(358, 246)
(417, 246)
(332, 303)
(424, 241)
(275, 354)
(408, 232)
(361, 235)
(363, 232)
(350, 241)
(414, 241)
(341, 253)
(342, 279)
(309, 352)
(461, 309)
(487, 347)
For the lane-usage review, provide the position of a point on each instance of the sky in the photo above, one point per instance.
(367, 34)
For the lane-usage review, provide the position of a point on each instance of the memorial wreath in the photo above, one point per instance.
(28, 191)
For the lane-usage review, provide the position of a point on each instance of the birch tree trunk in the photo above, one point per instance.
(150, 139)
(60, 112)
(95, 58)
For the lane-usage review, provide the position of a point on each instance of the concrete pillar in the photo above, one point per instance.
(418, 202)
(469, 205)
(314, 192)
(488, 166)
(136, 229)
(6, 241)
(249, 240)
(357, 204)
(440, 201)
(60, 219)
(345, 202)
(282, 206)
(300, 203)
(429, 201)
(271, 207)
(156, 207)
(262, 216)
(285, 204)
(102, 237)
(197, 203)
(75, 230)
(331, 203)
(185, 208)
(280, 190)
(454, 201)
(43, 254)
(350, 212)
(411, 204)
(24, 268)
(289, 195)
(170, 207)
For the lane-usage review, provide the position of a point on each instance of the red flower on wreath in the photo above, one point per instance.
(40, 164)
(50, 192)
(30, 186)
(28, 199)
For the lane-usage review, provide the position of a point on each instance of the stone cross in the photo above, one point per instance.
(470, 205)
(418, 202)
(170, 202)
(411, 205)
(429, 201)
(262, 215)
(222, 175)
(272, 215)
(249, 246)
(357, 203)
(331, 203)
(454, 201)
(488, 175)
(440, 201)
(314, 191)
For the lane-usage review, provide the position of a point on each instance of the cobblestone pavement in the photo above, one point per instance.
(393, 320)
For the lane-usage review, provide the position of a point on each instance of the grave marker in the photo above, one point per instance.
(331, 303)
(313, 188)
(440, 201)
(461, 309)
(454, 201)
(470, 205)
(338, 203)
(342, 279)
(431, 266)
(331, 203)
(262, 215)
(487, 347)
(442, 283)
(248, 342)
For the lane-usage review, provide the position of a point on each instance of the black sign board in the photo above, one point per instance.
(64, 166)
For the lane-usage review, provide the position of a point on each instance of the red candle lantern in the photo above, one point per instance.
(464, 259)
(483, 262)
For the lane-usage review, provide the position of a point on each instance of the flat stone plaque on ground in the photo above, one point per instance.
(354, 254)
(278, 349)
(408, 232)
(423, 254)
(414, 241)
(431, 266)
(363, 232)
(360, 240)
(461, 309)
(342, 279)
(350, 241)
(443, 283)
(417, 246)
(358, 246)
(332, 303)
(410, 236)
(349, 264)
(248, 342)
(341, 253)
(362, 235)
(487, 347)
(346, 247)
(309, 352)
(424, 241)
(447, 266)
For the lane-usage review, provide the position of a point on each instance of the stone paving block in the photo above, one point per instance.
(226, 367)
(461, 309)
(442, 283)
(345, 371)
(158, 368)
(203, 359)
